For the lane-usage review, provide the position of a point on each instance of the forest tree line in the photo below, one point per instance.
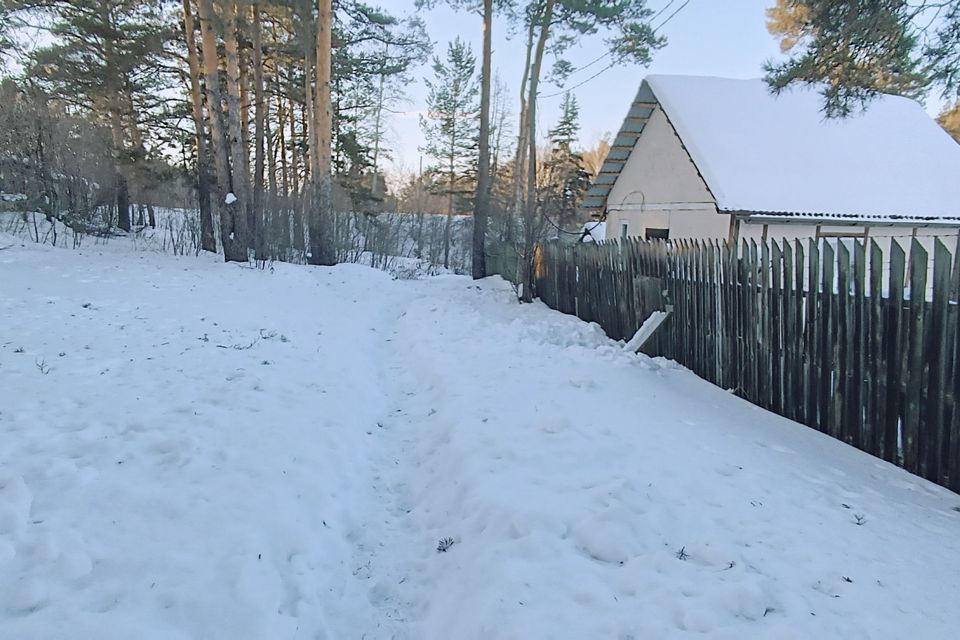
(273, 113)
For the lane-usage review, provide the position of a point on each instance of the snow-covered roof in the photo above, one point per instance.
(758, 152)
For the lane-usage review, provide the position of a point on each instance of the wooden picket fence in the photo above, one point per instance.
(844, 337)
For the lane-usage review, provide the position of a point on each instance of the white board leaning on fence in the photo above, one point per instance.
(645, 331)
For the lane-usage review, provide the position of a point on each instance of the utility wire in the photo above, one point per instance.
(590, 64)
(615, 62)
(662, 9)
(670, 17)
(579, 84)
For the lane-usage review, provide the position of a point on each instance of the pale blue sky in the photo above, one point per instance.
(708, 37)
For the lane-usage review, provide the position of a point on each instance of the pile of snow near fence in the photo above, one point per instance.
(195, 450)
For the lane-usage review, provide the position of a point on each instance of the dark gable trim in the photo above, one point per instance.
(633, 125)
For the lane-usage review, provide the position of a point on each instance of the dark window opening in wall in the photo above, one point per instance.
(624, 227)
(657, 234)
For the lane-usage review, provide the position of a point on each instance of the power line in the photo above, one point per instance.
(670, 17)
(614, 63)
(579, 84)
(662, 9)
(591, 63)
(608, 53)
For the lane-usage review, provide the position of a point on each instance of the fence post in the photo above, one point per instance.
(939, 340)
(915, 372)
(858, 374)
(844, 347)
(876, 358)
(775, 318)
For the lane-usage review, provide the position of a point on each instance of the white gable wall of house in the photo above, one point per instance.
(659, 188)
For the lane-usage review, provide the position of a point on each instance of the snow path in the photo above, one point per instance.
(222, 452)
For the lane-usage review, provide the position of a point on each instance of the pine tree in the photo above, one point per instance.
(853, 50)
(563, 22)
(321, 224)
(566, 179)
(486, 168)
(370, 74)
(451, 127)
(564, 133)
(55, 161)
(207, 239)
(103, 61)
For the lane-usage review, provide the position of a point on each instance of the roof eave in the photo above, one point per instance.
(841, 219)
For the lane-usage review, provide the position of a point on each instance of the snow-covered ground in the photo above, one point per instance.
(196, 450)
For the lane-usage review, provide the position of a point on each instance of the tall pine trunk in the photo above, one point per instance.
(305, 203)
(258, 136)
(481, 202)
(120, 180)
(294, 168)
(531, 205)
(321, 243)
(449, 222)
(375, 194)
(296, 202)
(139, 152)
(281, 134)
(218, 136)
(237, 241)
(207, 240)
(520, 156)
(116, 121)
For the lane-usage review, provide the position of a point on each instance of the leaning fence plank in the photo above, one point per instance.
(843, 347)
(812, 371)
(915, 377)
(855, 404)
(701, 327)
(690, 305)
(876, 371)
(728, 361)
(826, 349)
(694, 326)
(775, 319)
(788, 336)
(801, 301)
(953, 385)
(766, 374)
(934, 402)
(895, 356)
(750, 323)
(710, 312)
(736, 332)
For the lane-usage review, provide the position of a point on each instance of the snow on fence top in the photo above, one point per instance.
(766, 153)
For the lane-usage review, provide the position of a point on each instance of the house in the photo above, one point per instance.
(702, 157)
